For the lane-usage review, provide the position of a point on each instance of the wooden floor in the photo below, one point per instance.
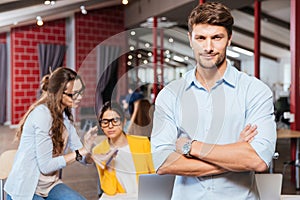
(84, 178)
(79, 177)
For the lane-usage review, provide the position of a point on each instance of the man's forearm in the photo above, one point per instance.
(233, 157)
(180, 165)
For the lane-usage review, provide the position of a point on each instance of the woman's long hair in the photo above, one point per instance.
(53, 86)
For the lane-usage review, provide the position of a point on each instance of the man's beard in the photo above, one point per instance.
(209, 64)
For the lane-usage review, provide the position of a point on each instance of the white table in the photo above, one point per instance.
(289, 197)
(119, 197)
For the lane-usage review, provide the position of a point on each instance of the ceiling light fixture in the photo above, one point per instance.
(171, 40)
(178, 58)
(83, 10)
(39, 21)
(161, 23)
(124, 2)
(49, 2)
(243, 51)
(232, 54)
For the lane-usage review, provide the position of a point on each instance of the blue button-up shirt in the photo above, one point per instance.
(35, 154)
(216, 117)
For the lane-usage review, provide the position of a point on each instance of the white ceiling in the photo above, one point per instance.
(21, 12)
(275, 42)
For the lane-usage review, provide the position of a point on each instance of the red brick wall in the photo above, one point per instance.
(2, 37)
(92, 29)
(24, 62)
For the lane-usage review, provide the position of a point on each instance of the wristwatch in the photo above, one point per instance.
(78, 156)
(186, 148)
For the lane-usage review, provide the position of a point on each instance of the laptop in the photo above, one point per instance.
(154, 186)
(269, 186)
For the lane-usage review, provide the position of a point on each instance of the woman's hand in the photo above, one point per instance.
(105, 160)
(89, 138)
(248, 133)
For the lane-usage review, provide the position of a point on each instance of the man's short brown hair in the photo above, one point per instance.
(213, 14)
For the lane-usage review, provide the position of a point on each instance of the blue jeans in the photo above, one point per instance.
(59, 192)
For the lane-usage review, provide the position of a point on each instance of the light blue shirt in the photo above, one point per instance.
(215, 117)
(34, 155)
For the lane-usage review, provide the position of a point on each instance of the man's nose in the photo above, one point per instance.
(208, 46)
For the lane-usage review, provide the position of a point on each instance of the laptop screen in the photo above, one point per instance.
(153, 186)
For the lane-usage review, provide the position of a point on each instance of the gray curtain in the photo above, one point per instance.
(107, 67)
(50, 56)
(3, 82)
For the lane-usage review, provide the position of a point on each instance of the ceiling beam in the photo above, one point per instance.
(250, 11)
(19, 4)
(263, 38)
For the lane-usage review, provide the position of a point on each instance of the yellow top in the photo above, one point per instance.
(141, 154)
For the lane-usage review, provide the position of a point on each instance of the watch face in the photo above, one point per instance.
(186, 148)
(79, 157)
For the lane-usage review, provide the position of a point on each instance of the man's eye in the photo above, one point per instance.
(200, 38)
(217, 37)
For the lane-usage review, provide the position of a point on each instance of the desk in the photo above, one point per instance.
(290, 197)
(291, 134)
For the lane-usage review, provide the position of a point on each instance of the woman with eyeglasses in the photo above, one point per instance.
(45, 133)
(120, 158)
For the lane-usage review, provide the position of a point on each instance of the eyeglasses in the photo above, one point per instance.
(75, 94)
(114, 121)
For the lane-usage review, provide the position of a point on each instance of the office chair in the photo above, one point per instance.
(6, 162)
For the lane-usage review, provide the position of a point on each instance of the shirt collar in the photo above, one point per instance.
(190, 79)
(229, 77)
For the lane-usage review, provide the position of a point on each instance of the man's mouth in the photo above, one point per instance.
(208, 55)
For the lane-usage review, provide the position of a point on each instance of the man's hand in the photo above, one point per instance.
(248, 133)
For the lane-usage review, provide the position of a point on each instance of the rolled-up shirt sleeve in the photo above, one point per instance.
(164, 132)
(260, 111)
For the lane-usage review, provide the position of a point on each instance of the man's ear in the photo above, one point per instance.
(229, 41)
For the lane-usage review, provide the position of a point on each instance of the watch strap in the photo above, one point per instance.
(189, 145)
(78, 155)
